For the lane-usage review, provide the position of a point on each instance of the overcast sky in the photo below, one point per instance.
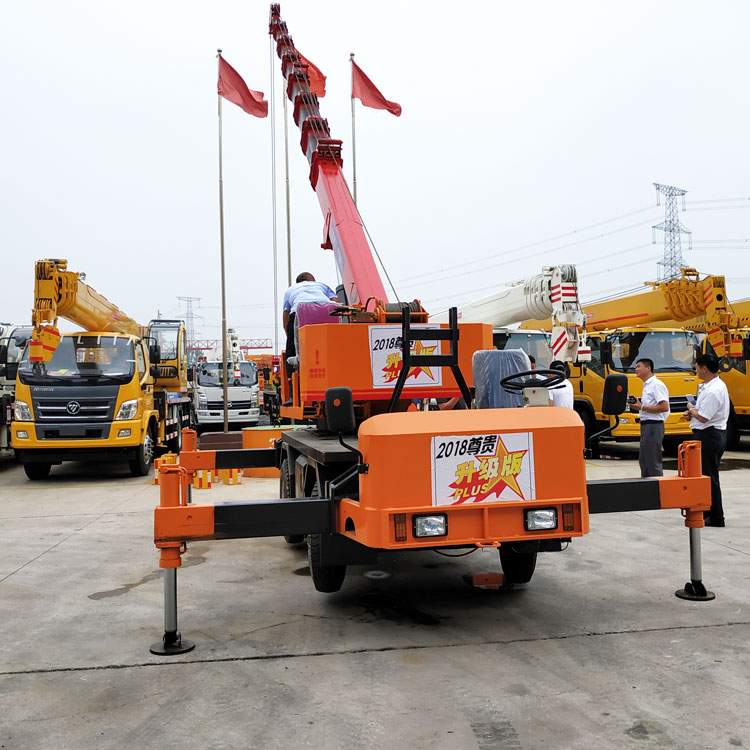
(531, 135)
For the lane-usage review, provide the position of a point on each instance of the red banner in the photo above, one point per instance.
(316, 77)
(235, 90)
(365, 90)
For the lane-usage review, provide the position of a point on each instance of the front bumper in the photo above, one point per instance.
(212, 416)
(62, 436)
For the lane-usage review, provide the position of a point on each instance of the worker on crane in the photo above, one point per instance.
(305, 289)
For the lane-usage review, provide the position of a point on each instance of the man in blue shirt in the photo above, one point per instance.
(306, 289)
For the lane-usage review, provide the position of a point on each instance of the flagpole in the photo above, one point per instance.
(288, 214)
(272, 98)
(223, 288)
(354, 142)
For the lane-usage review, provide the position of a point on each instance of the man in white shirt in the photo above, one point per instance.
(708, 421)
(561, 394)
(654, 408)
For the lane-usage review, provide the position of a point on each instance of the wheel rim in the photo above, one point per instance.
(148, 447)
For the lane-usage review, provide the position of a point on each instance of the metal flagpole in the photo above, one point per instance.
(223, 289)
(354, 149)
(288, 216)
(272, 98)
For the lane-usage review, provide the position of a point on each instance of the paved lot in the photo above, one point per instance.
(596, 652)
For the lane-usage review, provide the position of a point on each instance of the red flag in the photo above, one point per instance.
(235, 90)
(317, 79)
(364, 90)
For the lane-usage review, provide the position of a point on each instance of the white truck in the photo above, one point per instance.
(243, 392)
(13, 340)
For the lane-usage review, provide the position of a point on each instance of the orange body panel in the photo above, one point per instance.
(337, 355)
(400, 453)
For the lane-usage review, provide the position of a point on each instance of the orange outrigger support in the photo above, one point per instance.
(178, 521)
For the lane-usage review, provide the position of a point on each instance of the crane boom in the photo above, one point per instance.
(554, 292)
(62, 293)
(678, 300)
(343, 231)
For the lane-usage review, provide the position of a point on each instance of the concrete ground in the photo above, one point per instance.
(596, 652)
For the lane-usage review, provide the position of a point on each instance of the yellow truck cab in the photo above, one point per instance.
(93, 401)
(671, 351)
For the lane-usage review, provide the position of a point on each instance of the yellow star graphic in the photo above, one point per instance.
(419, 349)
(503, 466)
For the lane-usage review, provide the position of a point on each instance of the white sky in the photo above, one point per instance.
(522, 122)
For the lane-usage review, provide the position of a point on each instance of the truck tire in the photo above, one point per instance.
(517, 562)
(37, 471)
(140, 466)
(285, 490)
(325, 578)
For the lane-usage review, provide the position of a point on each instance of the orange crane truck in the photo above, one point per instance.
(371, 475)
(114, 390)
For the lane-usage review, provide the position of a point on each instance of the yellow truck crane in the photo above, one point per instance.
(624, 329)
(114, 390)
(732, 369)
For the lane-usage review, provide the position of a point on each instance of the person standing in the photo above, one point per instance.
(708, 421)
(561, 394)
(653, 406)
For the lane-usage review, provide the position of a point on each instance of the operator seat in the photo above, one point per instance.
(489, 367)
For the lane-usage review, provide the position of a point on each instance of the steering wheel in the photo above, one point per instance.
(526, 379)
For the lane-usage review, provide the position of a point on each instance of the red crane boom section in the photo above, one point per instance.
(343, 231)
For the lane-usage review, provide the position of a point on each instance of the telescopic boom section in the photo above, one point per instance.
(59, 293)
(342, 231)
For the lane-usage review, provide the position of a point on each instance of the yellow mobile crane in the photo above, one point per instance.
(114, 390)
(733, 369)
(623, 330)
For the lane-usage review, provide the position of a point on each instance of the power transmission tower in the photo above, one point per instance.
(190, 317)
(673, 229)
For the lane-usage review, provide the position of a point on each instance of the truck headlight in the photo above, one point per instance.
(436, 525)
(21, 411)
(127, 410)
(540, 519)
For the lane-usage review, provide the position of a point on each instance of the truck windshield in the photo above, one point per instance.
(671, 351)
(535, 344)
(167, 338)
(82, 359)
(210, 374)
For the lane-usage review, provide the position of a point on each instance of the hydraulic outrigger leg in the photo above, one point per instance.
(173, 480)
(694, 589)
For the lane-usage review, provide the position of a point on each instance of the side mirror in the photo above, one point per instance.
(746, 348)
(3, 353)
(191, 374)
(154, 371)
(615, 399)
(340, 410)
(697, 350)
(154, 352)
(605, 352)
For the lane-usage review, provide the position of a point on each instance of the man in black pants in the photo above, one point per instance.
(708, 421)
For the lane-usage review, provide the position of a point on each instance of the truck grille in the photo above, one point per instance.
(73, 409)
(214, 405)
(678, 403)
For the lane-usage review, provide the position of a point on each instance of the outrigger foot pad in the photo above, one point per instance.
(695, 591)
(171, 645)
